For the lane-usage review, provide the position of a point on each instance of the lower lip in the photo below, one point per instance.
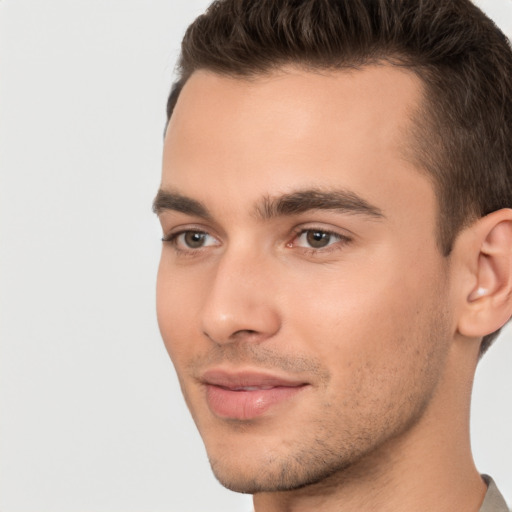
(246, 405)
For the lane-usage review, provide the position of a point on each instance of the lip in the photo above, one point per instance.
(246, 395)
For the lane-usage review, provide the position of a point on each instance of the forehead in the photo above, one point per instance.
(379, 94)
(231, 139)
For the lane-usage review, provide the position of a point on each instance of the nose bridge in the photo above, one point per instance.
(239, 301)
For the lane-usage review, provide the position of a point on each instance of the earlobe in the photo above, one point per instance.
(488, 301)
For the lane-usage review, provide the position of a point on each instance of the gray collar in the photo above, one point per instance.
(493, 501)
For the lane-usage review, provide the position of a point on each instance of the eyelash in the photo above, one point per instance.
(339, 243)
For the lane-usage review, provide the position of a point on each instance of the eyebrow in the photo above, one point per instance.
(294, 203)
(302, 201)
(169, 200)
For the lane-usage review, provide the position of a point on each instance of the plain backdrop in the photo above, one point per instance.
(91, 416)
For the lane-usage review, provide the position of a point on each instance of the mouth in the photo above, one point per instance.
(247, 395)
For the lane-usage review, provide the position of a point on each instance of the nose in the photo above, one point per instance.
(240, 303)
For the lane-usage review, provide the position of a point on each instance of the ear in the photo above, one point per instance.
(485, 250)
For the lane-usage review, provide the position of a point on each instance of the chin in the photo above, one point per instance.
(275, 475)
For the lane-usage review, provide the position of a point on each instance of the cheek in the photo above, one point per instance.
(368, 315)
(176, 306)
(383, 345)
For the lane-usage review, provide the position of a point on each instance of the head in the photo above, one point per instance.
(462, 129)
(328, 167)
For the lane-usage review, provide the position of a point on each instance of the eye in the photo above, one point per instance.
(190, 240)
(316, 239)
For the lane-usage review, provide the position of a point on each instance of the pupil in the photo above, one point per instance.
(318, 239)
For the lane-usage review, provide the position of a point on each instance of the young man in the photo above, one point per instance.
(335, 204)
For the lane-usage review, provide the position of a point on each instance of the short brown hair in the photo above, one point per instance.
(463, 133)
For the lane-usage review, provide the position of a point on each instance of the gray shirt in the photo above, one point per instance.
(493, 501)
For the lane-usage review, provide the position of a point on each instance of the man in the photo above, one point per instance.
(335, 204)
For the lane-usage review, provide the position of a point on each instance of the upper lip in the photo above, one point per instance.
(247, 379)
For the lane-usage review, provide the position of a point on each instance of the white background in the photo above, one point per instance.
(92, 419)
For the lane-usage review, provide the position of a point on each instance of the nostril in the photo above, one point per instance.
(250, 335)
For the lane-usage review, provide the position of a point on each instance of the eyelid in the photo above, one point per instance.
(170, 230)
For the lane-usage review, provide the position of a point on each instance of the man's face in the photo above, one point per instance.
(301, 294)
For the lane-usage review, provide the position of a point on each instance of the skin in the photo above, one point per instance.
(370, 323)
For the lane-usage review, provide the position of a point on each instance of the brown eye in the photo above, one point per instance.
(191, 240)
(194, 239)
(318, 239)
